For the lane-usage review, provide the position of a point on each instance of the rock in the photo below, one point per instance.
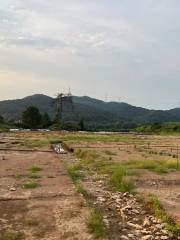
(135, 211)
(123, 237)
(136, 226)
(130, 235)
(135, 219)
(106, 221)
(101, 199)
(138, 233)
(165, 232)
(164, 237)
(128, 207)
(12, 189)
(146, 223)
(145, 232)
(147, 237)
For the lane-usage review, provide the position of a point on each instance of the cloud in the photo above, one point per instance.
(33, 42)
(128, 47)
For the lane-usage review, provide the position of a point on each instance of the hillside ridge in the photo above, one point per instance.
(95, 112)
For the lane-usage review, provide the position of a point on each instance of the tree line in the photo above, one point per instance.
(33, 119)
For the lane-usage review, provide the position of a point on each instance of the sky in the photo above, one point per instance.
(114, 50)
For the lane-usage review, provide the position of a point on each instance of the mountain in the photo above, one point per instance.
(96, 113)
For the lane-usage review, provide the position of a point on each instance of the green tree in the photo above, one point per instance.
(46, 121)
(31, 118)
(81, 124)
(1, 119)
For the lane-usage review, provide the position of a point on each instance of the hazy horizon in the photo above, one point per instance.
(124, 50)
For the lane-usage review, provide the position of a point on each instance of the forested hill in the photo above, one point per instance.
(96, 113)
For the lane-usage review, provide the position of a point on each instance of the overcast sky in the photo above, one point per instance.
(122, 50)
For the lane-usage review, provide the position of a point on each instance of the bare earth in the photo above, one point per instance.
(165, 186)
(52, 211)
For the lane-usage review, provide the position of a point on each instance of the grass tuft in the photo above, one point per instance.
(30, 185)
(157, 208)
(31, 222)
(118, 181)
(74, 173)
(35, 169)
(96, 224)
(80, 189)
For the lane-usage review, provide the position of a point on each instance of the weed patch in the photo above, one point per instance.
(118, 180)
(96, 224)
(159, 166)
(12, 235)
(30, 185)
(74, 173)
(35, 169)
(34, 176)
(80, 189)
(91, 160)
(31, 222)
(156, 206)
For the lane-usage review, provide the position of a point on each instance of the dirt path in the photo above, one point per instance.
(52, 210)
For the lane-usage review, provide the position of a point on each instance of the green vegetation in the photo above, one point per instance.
(30, 185)
(41, 142)
(96, 224)
(34, 176)
(92, 161)
(94, 138)
(158, 166)
(18, 176)
(4, 126)
(35, 143)
(46, 121)
(35, 169)
(31, 222)
(110, 153)
(118, 180)
(31, 118)
(102, 116)
(160, 128)
(156, 206)
(12, 235)
(80, 189)
(74, 173)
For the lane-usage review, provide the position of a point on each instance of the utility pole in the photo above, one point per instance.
(60, 100)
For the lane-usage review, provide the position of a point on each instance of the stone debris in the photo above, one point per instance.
(12, 189)
(128, 213)
(59, 149)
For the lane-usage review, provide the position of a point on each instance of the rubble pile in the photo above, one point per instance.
(124, 210)
(58, 149)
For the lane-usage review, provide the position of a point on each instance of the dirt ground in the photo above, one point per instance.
(141, 147)
(52, 210)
